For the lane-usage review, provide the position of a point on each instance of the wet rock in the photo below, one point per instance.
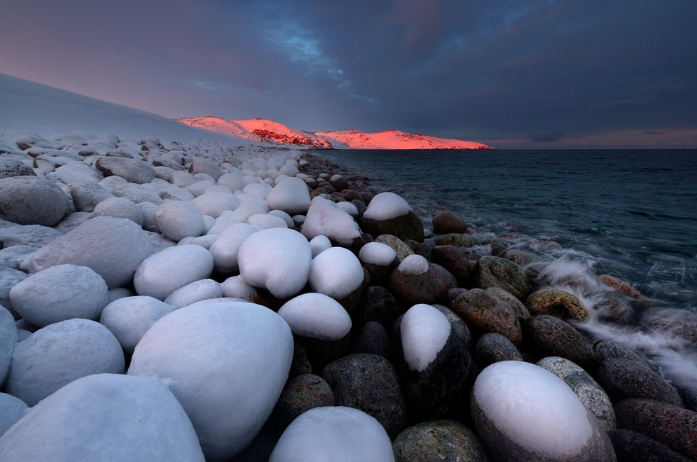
(518, 307)
(411, 287)
(492, 348)
(553, 337)
(368, 383)
(437, 441)
(676, 322)
(407, 226)
(608, 349)
(557, 303)
(132, 170)
(457, 325)
(631, 446)
(623, 287)
(485, 312)
(519, 257)
(582, 384)
(502, 273)
(372, 338)
(457, 240)
(400, 247)
(459, 261)
(380, 306)
(300, 394)
(31, 200)
(446, 222)
(625, 378)
(300, 364)
(670, 425)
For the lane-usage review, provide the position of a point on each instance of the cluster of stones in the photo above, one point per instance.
(118, 247)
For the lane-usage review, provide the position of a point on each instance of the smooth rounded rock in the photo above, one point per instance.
(486, 312)
(445, 222)
(203, 289)
(8, 340)
(300, 394)
(59, 293)
(172, 268)
(31, 200)
(132, 170)
(553, 337)
(129, 318)
(11, 410)
(119, 207)
(631, 446)
(177, 220)
(436, 441)
(492, 348)
(502, 273)
(624, 378)
(58, 354)
(558, 303)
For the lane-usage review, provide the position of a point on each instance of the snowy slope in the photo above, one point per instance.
(30, 107)
(228, 127)
(281, 134)
(394, 139)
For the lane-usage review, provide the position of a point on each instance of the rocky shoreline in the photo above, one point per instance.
(141, 275)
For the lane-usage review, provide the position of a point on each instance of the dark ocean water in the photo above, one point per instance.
(634, 212)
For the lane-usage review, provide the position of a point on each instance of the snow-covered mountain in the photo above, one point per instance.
(262, 130)
(268, 131)
(394, 139)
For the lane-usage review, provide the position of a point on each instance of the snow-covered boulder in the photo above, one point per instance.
(226, 362)
(226, 247)
(424, 332)
(11, 410)
(131, 170)
(337, 434)
(233, 181)
(203, 289)
(104, 417)
(509, 395)
(112, 247)
(58, 293)
(178, 219)
(276, 259)
(389, 213)
(325, 218)
(30, 200)
(267, 221)
(129, 318)
(291, 196)
(214, 204)
(58, 354)
(172, 268)
(379, 259)
(316, 316)
(249, 205)
(119, 207)
(319, 244)
(336, 272)
(236, 287)
(8, 339)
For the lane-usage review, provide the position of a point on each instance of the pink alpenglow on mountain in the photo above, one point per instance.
(395, 139)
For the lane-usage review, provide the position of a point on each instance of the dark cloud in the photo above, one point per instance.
(490, 71)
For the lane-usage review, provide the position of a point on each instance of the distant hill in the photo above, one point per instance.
(395, 139)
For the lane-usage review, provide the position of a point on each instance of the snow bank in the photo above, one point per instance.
(276, 259)
(336, 272)
(424, 332)
(108, 418)
(385, 206)
(226, 362)
(336, 434)
(317, 316)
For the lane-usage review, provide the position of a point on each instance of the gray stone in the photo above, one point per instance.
(369, 383)
(132, 170)
(301, 393)
(551, 336)
(438, 441)
(625, 378)
(429, 287)
(588, 391)
(631, 446)
(14, 165)
(459, 261)
(502, 273)
(404, 227)
(379, 305)
(457, 240)
(492, 348)
(372, 338)
(86, 195)
(485, 312)
(457, 325)
(208, 167)
(31, 235)
(30, 200)
(399, 246)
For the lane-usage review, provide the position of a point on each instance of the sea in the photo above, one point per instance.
(629, 213)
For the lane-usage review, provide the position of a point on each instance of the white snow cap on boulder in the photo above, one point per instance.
(276, 259)
(424, 332)
(291, 196)
(58, 293)
(336, 272)
(377, 253)
(226, 362)
(112, 247)
(414, 265)
(104, 417)
(319, 244)
(511, 394)
(317, 316)
(129, 318)
(385, 206)
(172, 268)
(325, 218)
(59, 354)
(336, 434)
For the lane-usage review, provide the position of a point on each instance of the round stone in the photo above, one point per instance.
(31, 200)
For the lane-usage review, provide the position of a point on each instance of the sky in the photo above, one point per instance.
(534, 74)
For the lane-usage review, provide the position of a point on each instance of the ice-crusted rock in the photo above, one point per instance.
(276, 259)
(99, 244)
(11, 410)
(206, 166)
(336, 272)
(119, 207)
(33, 235)
(8, 279)
(177, 220)
(378, 254)
(236, 287)
(291, 196)
(131, 170)
(129, 318)
(317, 316)
(31, 200)
(59, 293)
(8, 340)
(87, 195)
(58, 354)
(508, 395)
(213, 204)
(225, 249)
(172, 268)
(104, 417)
(226, 362)
(339, 434)
(424, 332)
(325, 218)
(204, 289)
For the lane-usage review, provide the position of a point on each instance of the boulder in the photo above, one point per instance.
(445, 222)
(558, 303)
(436, 441)
(31, 200)
(486, 312)
(502, 273)
(131, 170)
